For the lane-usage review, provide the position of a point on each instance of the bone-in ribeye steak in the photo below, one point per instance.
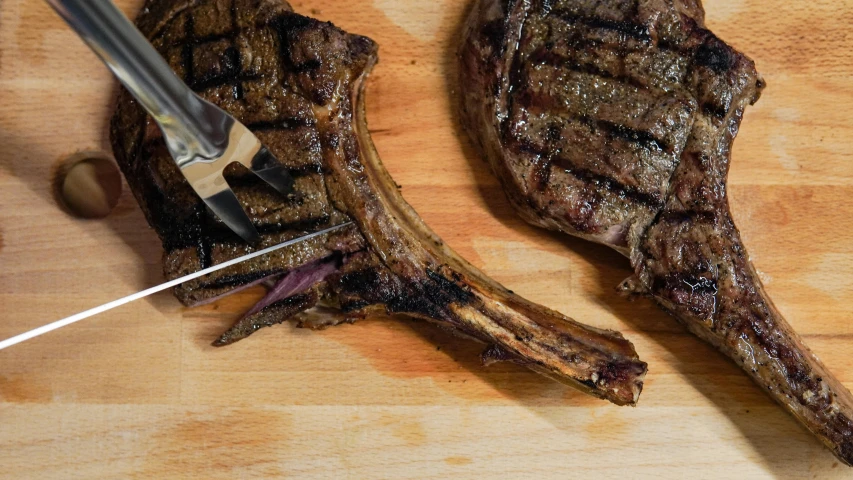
(296, 82)
(613, 120)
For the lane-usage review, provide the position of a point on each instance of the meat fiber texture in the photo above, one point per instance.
(613, 121)
(297, 84)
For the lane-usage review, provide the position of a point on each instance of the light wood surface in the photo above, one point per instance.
(139, 393)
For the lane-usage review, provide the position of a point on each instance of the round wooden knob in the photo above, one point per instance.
(89, 185)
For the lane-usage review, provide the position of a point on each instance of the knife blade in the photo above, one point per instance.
(159, 288)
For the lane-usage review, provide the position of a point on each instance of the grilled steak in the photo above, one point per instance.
(614, 120)
(297, 83)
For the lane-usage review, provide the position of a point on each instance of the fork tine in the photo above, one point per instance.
(208, 181)
(266, 166)
(226, 206)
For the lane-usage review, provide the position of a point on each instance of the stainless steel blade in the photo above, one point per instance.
(159, 288)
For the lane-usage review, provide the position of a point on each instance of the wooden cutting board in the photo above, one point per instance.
(140, 393)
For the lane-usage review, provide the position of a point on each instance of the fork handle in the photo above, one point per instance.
(120, 45)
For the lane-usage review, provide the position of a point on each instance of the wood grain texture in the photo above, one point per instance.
(139, 393)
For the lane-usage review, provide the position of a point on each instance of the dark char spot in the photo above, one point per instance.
(715, 55)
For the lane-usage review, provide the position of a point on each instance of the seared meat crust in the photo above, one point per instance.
(297, 83)
(614, 121)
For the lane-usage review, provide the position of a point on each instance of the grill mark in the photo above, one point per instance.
(629, 134)
(552, 59)
(660, 44)
(715, 55)
(187, 51)
(515, 74)
(542, 173)
(633, 30)
(286, 124)
(713, 110)
(234, 64)
(652, 201)
(236, 30)
(640, 137)
(230, 74)
(667, 46)
(283, 25)
(215, 37)
(140, 146)
(280, 24)
(235, 27)
(580, 42)
(633, 194)
(191, 39)
(232, 60)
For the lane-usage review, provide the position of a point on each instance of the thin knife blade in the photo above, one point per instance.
(159, 288)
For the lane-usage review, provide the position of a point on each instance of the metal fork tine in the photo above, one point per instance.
(266, 166)
(226, 206)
